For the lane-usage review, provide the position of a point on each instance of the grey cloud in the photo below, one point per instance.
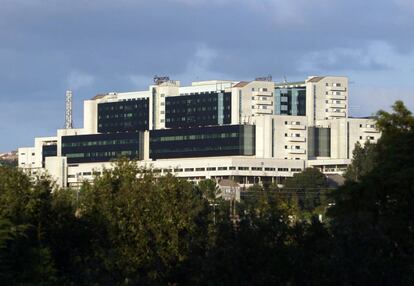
(122, 44)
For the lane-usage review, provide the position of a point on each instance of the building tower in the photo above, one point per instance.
(68, 110)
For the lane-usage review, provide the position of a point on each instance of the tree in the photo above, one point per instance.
(308, 189)
(363, 159)
(155, 227)
(25, 215)
(372, 220)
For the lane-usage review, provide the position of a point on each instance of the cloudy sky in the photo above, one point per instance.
(94, 46)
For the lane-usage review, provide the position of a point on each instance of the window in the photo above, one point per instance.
(232, 168)
(270, 169)
(33, 154)
(162, 95)
(257, 169)
(178, 170)
(360, 137)
(286, 135)
(200, 169)
(222, 168)
(286, 146)
(296, 169)
(211, 168)
(243, 168)
(283, 169)
(189, 169)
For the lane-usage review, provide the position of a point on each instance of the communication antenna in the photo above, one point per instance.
(285, 79)
(68, 110)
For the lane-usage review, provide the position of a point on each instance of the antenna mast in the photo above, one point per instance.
(68, 110)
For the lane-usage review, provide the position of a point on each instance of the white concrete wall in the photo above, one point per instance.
(339, 142)
(90, 117)
(57, 167)
(361, 130)
(326, 98)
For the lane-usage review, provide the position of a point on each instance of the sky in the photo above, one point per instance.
(96, 46)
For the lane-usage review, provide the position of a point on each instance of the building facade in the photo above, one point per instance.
(249, 132)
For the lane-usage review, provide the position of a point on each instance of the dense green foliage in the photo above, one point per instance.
(8, 163)
(132, 227)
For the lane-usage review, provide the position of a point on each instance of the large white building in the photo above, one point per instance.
(246, 131)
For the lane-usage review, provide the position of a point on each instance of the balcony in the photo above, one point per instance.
(262, 93)
(263, 111)
(369, 130)
(336, 114)
(296, 127)
(337, 88)
(334, 96)
(336, 105)
(296, 139)
(263, 102)
(296, 151)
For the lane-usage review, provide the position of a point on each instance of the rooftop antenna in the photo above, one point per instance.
(68, 110)
(285, 79)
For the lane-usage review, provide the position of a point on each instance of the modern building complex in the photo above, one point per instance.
(249, 132)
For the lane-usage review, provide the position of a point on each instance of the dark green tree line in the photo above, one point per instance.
(131, 226)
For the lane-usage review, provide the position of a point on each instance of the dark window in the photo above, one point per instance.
(122, 116)
(102, 147)
(198, 110)
(228, 140)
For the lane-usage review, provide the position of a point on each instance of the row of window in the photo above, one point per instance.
(123, 115)
(195, 149)
(232, 168)
(195, 137)
(192, 101)
(112, 154)
(195, 109)
(101, 143)
(122, 107)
